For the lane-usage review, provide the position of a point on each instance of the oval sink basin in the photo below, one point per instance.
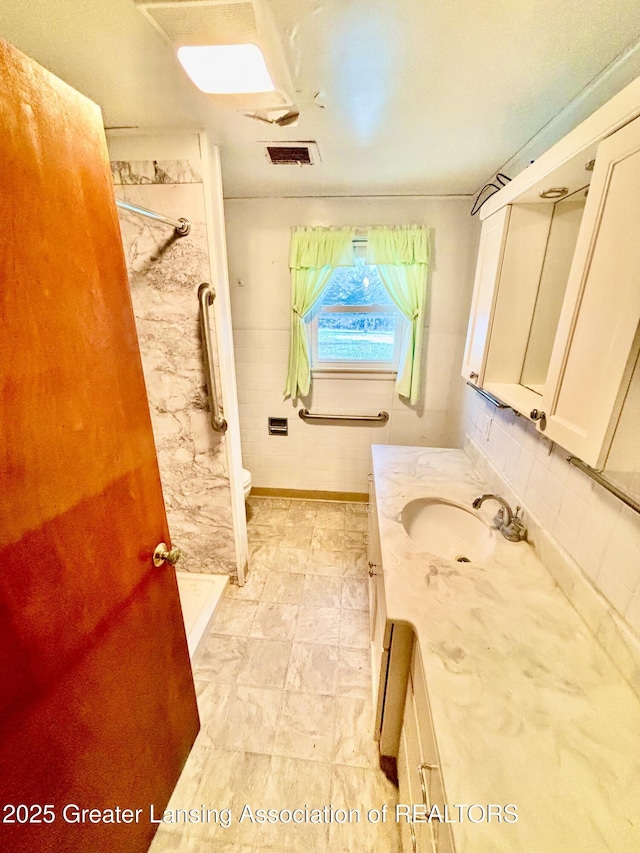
(447, 530)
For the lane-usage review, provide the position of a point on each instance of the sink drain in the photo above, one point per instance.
(462, 559)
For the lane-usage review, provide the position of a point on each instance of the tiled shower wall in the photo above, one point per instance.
(598, 532)
(164, 273)
(338, 457)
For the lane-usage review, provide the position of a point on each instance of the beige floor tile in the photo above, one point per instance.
(364, 789)
(355, 594)
(354, 539)
(297, 537)
(321, 562)
(318, 625)
(305, 727)
(267, 534)
(321, 591)
(328, 539)
(272, 516)
(300, 515)
(262, 555)
(313, 668)
(283, 588)
(354, 673)
(252, 589)
(356, 523)
(355, 563)
(236, 717)
(220, 659)
(354, 629)
(330, 520)
(291, 560)
(353, 733)
(293, 783)
(274, 621)
(278, 503)
(230, 779)
(234, 617)
(265, 663)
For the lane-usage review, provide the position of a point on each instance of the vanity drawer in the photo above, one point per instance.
(423, 832)
(427, 775)
(423, 712)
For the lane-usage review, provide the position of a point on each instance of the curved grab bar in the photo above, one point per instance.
(206, 295)
(381, 417)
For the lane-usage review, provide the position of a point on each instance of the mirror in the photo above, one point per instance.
(561, 243)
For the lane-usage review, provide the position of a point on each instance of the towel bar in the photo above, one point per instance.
(380, 418)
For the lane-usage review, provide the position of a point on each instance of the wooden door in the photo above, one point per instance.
(601, 308)
(97, 705)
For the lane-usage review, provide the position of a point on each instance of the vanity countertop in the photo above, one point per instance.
(527, 707)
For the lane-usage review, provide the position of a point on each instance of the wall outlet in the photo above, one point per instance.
(486, 429)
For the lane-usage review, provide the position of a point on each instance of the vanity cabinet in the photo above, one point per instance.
(419, 777)
(391, 645)
(553, 328)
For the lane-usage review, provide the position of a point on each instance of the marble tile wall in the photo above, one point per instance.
(577, 523)
(284, 692)
(164, 273)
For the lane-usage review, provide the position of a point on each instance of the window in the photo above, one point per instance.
(355, 325)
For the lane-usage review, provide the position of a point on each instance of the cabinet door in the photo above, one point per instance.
(601, 309)
(485, 288)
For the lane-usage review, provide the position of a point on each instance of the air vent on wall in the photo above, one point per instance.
(293, 153)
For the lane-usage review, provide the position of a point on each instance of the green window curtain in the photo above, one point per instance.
(402, 257)
(314, 254)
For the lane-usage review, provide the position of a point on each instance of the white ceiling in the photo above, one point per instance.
(418, 96)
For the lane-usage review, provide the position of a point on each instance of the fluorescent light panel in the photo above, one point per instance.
(226, 69)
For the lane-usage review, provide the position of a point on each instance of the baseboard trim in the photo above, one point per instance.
(309, 495)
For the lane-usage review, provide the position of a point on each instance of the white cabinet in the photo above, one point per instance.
(553, 329)
(391, 646)
(419, 778)
(485, 288)
(595, 342)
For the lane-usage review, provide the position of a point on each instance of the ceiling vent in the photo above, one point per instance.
(224, 22)
(292, 153)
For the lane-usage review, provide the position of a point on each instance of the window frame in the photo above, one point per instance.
(388, 368)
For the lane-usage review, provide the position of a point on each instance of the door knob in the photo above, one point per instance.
(162, 553)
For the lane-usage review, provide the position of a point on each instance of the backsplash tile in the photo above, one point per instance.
(589, 539)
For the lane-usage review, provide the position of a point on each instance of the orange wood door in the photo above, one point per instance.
(97, 704)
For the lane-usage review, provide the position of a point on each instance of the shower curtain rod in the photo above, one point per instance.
(182, 226)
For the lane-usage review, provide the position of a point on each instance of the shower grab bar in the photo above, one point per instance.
(206, 295)
(182, 226)
(381, 417)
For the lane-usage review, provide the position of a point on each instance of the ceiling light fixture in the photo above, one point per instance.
(230, 49)
(226, 69)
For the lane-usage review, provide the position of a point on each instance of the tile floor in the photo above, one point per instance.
(284, 692)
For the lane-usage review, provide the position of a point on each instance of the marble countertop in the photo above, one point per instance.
(527, 707)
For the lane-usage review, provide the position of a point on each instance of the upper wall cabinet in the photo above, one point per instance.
(556, 301)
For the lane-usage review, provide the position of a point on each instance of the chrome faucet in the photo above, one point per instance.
(507, 522)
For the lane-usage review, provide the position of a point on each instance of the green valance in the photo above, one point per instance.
(314, 248)
(405, 244)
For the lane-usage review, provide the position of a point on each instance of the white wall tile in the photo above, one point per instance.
(598, 532)
(337, 458)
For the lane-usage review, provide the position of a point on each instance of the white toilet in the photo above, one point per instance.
(246, 482)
